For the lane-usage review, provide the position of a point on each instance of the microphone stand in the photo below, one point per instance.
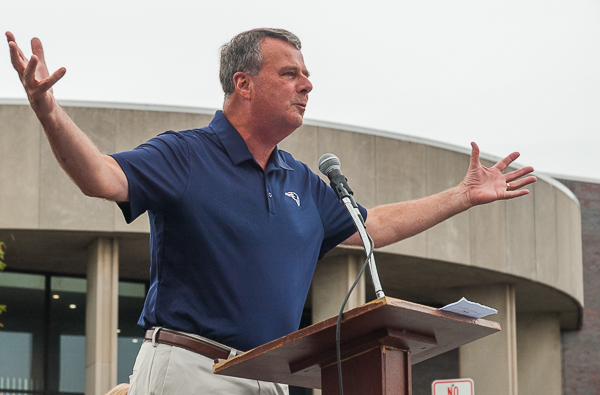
(352, 208)
(345, 194)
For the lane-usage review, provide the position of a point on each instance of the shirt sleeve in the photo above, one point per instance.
(337, 223)
(157, 173)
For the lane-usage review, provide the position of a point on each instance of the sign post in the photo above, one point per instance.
(453, 387)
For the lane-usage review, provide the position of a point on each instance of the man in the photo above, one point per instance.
(232, 253)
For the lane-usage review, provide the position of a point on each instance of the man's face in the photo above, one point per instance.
(280, 89)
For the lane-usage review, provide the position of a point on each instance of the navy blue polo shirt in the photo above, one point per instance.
(233, 247)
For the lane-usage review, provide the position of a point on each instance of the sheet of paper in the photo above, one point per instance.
(468, 308)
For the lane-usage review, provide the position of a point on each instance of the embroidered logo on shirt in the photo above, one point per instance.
(294, 196)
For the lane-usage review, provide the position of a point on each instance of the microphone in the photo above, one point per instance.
(330, 166)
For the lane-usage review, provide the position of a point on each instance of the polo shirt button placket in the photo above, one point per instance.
(269, 190)
(270, 202)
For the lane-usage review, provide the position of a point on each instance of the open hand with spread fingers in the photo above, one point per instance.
(34, 74)
(485, 185)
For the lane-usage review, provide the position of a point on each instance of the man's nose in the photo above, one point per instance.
(305, 85)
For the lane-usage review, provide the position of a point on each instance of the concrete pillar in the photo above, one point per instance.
(101, 316)
(492, 361)
(539, 354)
(332, 280)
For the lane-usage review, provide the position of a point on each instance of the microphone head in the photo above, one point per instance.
(329, 162)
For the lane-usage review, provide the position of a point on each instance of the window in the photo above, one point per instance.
(42, 344)
(23, 339)
(66, 335)
(131, 336)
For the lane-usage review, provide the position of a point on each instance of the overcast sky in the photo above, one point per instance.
(511, 75)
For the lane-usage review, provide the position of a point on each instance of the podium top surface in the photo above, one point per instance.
(297, 358)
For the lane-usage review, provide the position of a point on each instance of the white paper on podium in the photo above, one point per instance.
(468, 308)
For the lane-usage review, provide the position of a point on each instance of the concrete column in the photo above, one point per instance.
(332, 280)
(539, 354)
(492, 361)
(101, 316)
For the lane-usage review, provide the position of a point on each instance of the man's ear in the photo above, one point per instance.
(242, 84)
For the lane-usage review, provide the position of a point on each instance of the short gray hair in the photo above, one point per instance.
(243, 54)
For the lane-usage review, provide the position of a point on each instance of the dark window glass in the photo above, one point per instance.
(131, 302)
(42, 343)
(22, 337)
(66, 349)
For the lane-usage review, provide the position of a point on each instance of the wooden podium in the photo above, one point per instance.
(380, 341)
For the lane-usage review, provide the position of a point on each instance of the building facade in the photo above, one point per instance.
(523, 257)
(581, 349)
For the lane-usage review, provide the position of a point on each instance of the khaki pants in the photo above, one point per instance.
(167, 370)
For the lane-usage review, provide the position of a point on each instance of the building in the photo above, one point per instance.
(581, 364)
(77, 273)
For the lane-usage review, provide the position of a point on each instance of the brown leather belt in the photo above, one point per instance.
(190, 343)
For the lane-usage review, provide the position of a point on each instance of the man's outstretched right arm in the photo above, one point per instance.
(95, 174)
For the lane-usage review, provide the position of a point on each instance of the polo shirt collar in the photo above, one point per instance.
(235, 145)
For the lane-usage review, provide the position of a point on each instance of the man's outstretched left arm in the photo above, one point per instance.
(390, 223)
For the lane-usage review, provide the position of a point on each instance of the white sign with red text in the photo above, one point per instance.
(453, 387)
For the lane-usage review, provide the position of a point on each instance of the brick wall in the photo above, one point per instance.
(581, 349)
